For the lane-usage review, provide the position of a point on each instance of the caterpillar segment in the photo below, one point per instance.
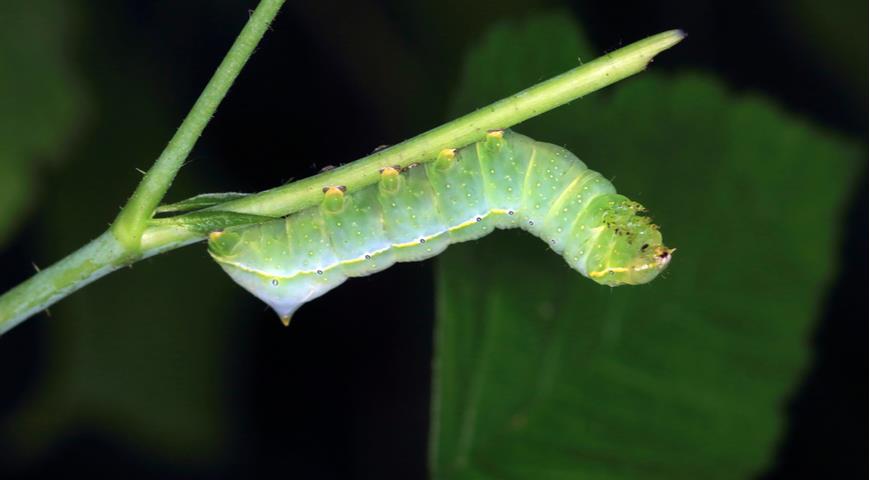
(506, 180)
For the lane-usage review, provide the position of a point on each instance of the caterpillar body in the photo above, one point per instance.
(506, 180)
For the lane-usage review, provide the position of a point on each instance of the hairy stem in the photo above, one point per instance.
(121, 244)
(107, 253)
(465, 130)
(133, 219)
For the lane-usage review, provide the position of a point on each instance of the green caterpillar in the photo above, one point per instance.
(506, 180)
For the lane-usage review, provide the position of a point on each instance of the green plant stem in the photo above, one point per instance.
(467, 129)
(133, 219)
(106, 253)
(122, 243)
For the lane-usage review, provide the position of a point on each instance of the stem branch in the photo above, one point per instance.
(133, 219)
(111, 250)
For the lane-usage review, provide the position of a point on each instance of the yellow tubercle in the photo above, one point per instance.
(445, 159)
(334, 191)
(333, 199)
(601, 273)
(389, 172)
(390, 180)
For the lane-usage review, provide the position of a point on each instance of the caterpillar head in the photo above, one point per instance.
(628, 249)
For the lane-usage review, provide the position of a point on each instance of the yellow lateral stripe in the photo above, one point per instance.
(325, 269)
(644, 266)
(240, 266)
(463, 224)
(601, 273)
(474, 219)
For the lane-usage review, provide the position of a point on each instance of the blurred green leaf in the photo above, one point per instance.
(42, 100)
(542, 374)
(135, 359)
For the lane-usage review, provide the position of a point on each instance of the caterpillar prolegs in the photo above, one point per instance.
(506, 180)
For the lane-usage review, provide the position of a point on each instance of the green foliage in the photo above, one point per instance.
(540, 373)
(135, 358)
(41, 95)
(543, 374)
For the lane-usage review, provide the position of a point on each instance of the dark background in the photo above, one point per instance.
(328, 84)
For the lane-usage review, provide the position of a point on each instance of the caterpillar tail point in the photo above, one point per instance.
(285, 319)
